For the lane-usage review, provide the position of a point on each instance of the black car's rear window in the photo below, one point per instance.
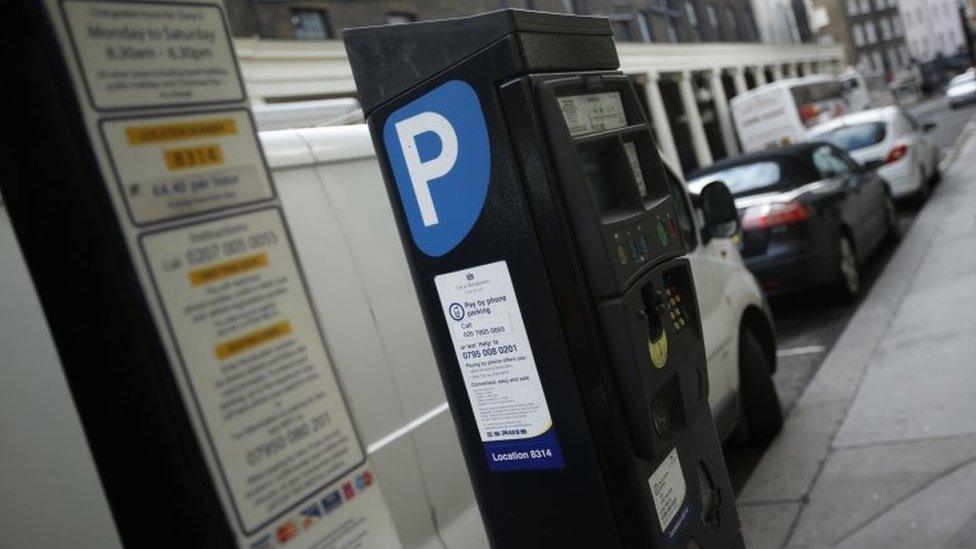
(854, 137)
(761, 175)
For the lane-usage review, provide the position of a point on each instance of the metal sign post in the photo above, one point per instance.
(153, 233)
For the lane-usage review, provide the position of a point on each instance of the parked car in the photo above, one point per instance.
(891, 139)
(810, 215)
(334, 198)
(780, 113)
(962, 89)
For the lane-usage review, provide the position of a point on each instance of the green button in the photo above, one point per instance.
(662, 235)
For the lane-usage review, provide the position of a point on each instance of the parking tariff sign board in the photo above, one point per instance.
(164, 106)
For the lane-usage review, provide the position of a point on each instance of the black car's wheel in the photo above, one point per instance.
(924, 187)
(762, 415)
(848, 271)
(891, 218)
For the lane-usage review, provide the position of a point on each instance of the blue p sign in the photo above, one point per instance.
(438, 150)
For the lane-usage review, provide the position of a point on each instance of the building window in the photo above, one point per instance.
(672, 30)
(749, 22)
(872, 33)
(733, 22)
(865, 6)
(858, 35)
(712, 16)
(400, 17)
(892, 58)
(671, 10)
(692, 13)
(623, 27)
(644, 23)
(852, 7)
(896, 23)
(885, 29)
(878, 63)
(309, 24)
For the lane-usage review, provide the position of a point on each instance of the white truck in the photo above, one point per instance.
(347, 243)
(780, 113)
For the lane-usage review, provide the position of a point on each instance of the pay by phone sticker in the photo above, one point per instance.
(498, 368)
(668, 488)
(593, 112)
(440, 157)
(178, 165)
(254, 359)
(152, 54)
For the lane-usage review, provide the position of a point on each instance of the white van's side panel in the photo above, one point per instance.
(347, 241)
(766, 117)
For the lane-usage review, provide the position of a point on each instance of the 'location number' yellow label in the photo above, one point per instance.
(193, 157)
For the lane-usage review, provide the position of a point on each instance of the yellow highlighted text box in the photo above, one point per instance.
(193, 157)
(159, 133)
(252, 340)
(229, 268)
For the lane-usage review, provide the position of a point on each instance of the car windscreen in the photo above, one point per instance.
(752, 178)
(855, 136)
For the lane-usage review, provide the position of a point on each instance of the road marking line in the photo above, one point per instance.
(797, 351)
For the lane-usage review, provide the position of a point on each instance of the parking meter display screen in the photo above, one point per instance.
(594, 112)
(598, 174)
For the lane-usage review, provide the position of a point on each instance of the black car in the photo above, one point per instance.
(810, 215)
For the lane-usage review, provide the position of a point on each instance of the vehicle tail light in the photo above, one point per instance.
(774, 214)
(896, 154)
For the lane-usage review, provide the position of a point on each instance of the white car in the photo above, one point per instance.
(962, 89)
(740, 343)
(891, 140)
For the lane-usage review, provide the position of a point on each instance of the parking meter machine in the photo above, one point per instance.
(545, 251)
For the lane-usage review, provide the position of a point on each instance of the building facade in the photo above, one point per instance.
(871, 31)
(661, 21)
(933, 28)
(782, 21)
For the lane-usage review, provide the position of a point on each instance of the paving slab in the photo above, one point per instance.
(859, 485)
(921, 382)
(766, 526)
(785, 474)
(940, 515)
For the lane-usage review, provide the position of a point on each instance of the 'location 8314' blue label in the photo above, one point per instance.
(439, 153)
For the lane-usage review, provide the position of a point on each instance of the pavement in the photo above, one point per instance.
(807, 326)
(880, 448)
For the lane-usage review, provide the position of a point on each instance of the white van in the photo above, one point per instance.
(780, 113)
(334, 198)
